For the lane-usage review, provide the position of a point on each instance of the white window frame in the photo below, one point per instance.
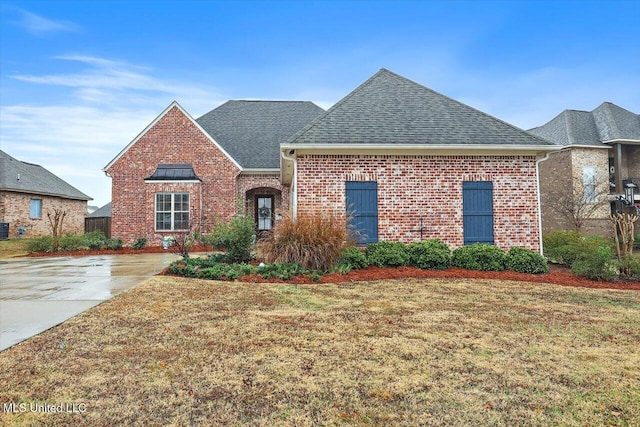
(31, 205)
(589, 184)
(173, 211)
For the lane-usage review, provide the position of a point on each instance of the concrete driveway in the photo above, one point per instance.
(39, 293)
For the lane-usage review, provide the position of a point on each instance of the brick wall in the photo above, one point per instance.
(174, 138)
(15, 209)
(561, 183)
(263, 184)
(427, 187)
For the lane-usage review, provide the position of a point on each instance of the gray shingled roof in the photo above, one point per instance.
(252, 131)
(591, 128)
(390, 109)
(103, 212)
(34, 179)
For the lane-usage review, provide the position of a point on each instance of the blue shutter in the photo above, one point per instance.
(477, 211)
(362, 206)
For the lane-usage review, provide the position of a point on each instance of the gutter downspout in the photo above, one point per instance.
(546, 157)
(294, 183)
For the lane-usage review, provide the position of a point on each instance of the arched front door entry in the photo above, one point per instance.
(264, 207)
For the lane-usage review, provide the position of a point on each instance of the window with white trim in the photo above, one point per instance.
(172, 211)
(589, 183)
(35, 208)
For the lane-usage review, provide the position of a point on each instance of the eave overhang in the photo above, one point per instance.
(291, 151)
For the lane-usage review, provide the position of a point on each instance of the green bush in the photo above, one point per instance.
(596, 264)
(236, 237)
(140, 243)
(557, 245)
(95, 240)
(72, 242)
(629, 266)
(114, 244)
(354, 258)
(524, 260)
(479, 256)
(315, 241)
(429, 255)
(387, 254)
(636, 241)
(40, 244)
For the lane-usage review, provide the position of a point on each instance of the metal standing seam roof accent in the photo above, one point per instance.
(23, 177)
(607, 122)
(252, 131)
(174, 172)
(391, 109)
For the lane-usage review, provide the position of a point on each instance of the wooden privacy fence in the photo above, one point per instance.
(98, 224)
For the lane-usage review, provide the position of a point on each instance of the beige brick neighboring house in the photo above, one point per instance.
(28, 192)
(582, 184)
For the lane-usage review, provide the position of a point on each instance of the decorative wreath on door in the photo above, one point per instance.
(264, 212)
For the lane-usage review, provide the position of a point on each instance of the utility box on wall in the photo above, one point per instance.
(4, 230)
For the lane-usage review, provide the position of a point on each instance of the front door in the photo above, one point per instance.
(264, 213)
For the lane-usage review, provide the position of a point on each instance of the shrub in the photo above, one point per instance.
(479, 256)
(95, 240)
(140, 243)
(114, 244)
(555, 245)
(387, 254)
(72, 242)
(636, 241)
(315, 241)
(236, 237)
(40, 244)
(526, 261)
(629, 266)
(430, 255)
(596, 264)
(284, 271)
(354, 258)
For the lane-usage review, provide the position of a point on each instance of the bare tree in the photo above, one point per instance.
(578, 206)
(623, 232)
(56, 219)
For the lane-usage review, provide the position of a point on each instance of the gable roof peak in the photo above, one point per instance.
(391, 109)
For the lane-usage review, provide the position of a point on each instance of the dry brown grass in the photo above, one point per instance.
(411, 352)
(13, 247)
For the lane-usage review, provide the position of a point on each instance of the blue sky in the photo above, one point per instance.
(80, 79)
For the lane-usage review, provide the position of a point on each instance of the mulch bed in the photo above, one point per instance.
(559, 275)
(123, 251)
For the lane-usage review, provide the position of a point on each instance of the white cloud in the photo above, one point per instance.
(36, 24)
(106, 105)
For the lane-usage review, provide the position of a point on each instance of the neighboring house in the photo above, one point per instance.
(28, 192)
(402, 160)
(582, 184)
(182, 174)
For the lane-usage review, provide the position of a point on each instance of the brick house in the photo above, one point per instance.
(181, 173)
(407, 163)
(28, 192)
(402, 160)
(600, 156)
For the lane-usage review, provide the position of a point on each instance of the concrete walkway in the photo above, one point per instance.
(39, 293)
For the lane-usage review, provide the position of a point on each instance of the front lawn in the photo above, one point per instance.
(177, 351)
(13, 247)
